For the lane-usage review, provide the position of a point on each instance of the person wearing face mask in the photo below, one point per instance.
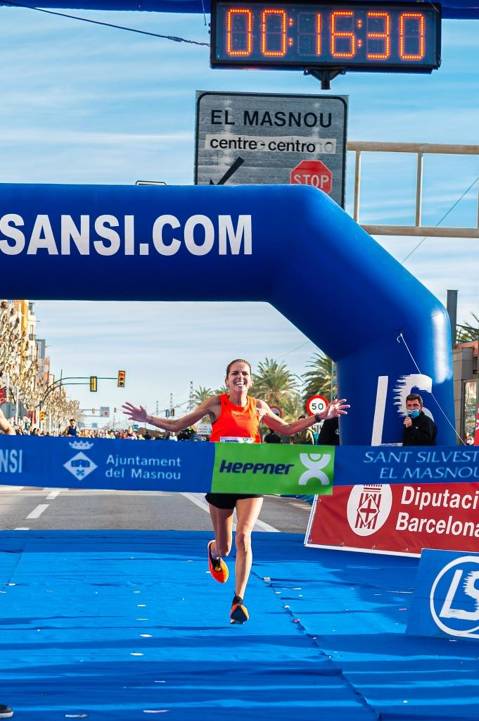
(419, 429)
(235, 417)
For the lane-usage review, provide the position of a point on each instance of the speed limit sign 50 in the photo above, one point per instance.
(316, 404)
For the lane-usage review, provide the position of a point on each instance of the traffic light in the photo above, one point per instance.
(121, 379)
(93, 384)
(42, 415)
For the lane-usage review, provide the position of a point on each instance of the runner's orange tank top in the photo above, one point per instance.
(236, 424)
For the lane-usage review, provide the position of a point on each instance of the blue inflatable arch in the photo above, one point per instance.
(291, 246)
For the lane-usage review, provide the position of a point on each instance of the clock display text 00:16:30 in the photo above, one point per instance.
(355, 36)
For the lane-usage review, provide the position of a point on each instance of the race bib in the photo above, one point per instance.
(235, 439)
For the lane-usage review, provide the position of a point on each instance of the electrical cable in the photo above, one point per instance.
(400, 338)
(204, 12)
(454, 205)
(173, 38)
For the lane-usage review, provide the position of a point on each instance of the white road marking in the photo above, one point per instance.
(52, 495)
(197, 499)
(262, 525)
(194, 499)
(37, 512)
(21, 528)
(300, 505)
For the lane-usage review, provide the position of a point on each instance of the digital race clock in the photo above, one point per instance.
(353, 36)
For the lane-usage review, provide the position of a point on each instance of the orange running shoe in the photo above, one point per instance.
(239, 612)
(217, 567)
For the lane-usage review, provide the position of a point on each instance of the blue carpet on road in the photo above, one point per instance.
(128, 625)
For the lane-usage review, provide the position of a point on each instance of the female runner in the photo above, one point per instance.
(235, 417)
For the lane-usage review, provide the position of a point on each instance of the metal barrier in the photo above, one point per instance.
(420, 150)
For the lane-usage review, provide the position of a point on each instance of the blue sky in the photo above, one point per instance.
(89, 104)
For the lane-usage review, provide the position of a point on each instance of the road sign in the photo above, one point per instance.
(313, 172)
(247, 138)
(316, 404)
(203, 429)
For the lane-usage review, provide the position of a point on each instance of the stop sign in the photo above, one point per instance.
(312, 172)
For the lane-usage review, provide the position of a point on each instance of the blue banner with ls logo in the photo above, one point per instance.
(446, 599)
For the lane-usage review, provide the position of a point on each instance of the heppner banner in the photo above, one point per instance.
(165, 465)
(247, 138)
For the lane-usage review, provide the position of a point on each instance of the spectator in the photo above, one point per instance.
(71, 429)
(187, 434)
(419, 429)
(329, 433)
(271, 437)
(306, 436)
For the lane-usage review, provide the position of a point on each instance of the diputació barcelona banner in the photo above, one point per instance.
(396, 518)
(165, 465)
(400, 500)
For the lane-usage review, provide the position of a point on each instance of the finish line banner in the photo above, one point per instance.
(165, 465)
(225, 467)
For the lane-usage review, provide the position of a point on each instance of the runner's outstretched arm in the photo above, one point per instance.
(337, 407)
(140, 415)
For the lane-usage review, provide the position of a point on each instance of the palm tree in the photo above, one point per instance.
(320, 378)
(466, 332)
(200, 394)
(292, 407)
(274, 382)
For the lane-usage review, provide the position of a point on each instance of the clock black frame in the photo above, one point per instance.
(333, 65)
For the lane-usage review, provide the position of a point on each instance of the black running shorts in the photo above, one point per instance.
(227, 500)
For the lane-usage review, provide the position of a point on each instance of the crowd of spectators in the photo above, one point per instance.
(143, 434)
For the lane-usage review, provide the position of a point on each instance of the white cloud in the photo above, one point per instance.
(85, 104)
(72, 138)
